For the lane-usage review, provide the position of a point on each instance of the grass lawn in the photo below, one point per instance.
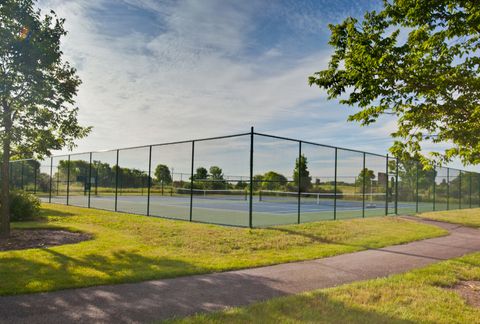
(467, 217)
(418, 296)
(129, 248)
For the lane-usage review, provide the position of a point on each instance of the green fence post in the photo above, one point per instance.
(470, 189)
(363, 187)
(460, 191)
(21, 175)
(35, 179)
(51, 180)
(149, 180)
(434, 186)
(68, 180)
(191, 181)
(250, 203)
(117, 172)
(335, 187)
(299, 179)
(396, 187)
(448, 188)
(416, 189)
(89, 179)
(386, 185)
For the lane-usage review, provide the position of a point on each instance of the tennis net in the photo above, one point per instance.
(372, 200)
(224, 194)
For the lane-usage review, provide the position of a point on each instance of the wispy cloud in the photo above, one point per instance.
(156, 71)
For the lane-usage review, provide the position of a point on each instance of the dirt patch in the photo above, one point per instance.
(470, 291)
(40, 238)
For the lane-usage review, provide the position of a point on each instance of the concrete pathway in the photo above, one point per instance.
(162, 299)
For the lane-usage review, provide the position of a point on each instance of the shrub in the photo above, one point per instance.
(23, 206)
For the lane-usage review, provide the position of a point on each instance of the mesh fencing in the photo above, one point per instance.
(250, 180)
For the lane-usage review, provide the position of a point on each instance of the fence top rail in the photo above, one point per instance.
(232, 136)
(318, 144)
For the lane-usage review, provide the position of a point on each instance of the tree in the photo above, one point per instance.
(366, 175)
(216, 178)
(273, 181)
(216, 173)
(37, 90)
(162, 174)
(200, 174)
(301, 164)
(429, 81)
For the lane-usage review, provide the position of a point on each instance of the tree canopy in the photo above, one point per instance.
(37, 89)
(416, 60)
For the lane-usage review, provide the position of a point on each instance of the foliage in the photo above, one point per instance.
(163, 175)
(23, 206)
(368, 176)
(200, 174)
(417, 61)
(273, 181)
(37, 89)
(301, 165)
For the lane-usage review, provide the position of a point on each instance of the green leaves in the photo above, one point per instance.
(418, 61)
(37, 87)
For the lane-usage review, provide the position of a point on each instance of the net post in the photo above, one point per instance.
(191, 181)
(51, 180)
(89, 178)
(299, 179)
(396, 186)
(416, 186)
(363, 185)
(448, 188)
(250, 205)
(149, 180)
(434, 187)
(460, 190)
(335, 187)
(68, 180)
(116, 181)
(386, 185)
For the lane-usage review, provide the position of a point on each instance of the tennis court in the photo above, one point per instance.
(290, 180)
(231, 207)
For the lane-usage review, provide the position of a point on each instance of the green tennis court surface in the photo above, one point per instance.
(231, 207)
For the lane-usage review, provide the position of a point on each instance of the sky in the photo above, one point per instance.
(157, 71)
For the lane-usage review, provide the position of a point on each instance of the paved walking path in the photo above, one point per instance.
(161, 299)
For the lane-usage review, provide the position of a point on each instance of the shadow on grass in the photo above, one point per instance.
(437, 252)
(150, 300)
(45, 211)
(317, 307)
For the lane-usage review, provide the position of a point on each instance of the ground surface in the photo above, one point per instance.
(40, 238)
(132, 248)
(161, 299)
(467, 217)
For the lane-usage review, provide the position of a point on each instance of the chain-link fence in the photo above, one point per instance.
(248, 179)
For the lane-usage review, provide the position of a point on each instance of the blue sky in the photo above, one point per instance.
(155, 71)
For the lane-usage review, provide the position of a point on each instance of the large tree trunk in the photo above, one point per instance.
(5, 193)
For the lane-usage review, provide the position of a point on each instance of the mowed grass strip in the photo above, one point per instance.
(129, 248)
(467, 217)
(419, 296)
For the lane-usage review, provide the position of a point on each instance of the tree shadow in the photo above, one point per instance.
(145, 301)
(46, 211)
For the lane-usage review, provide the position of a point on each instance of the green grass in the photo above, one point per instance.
(129, 248)
(418, 296)
(467, 217)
